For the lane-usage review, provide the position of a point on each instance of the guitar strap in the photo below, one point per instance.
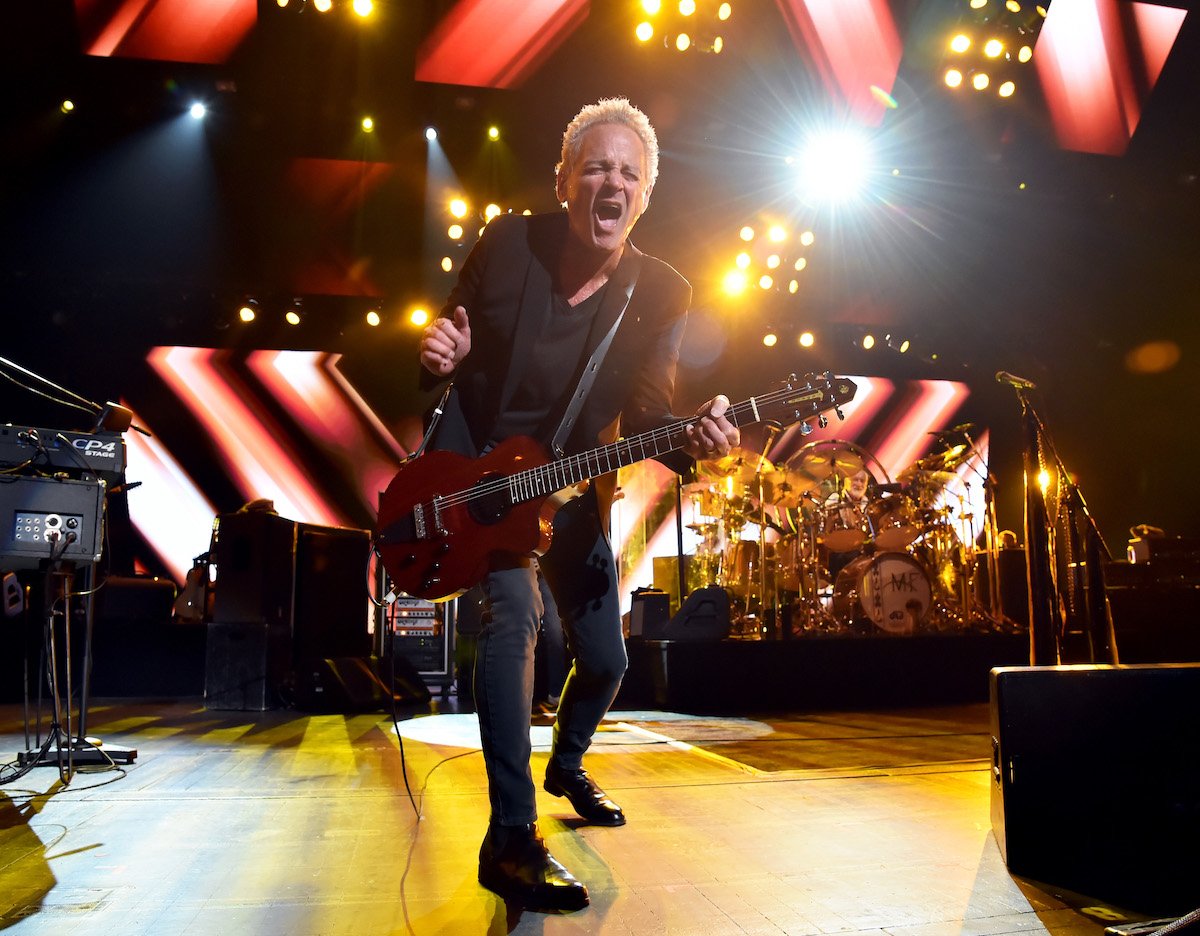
(588, 377)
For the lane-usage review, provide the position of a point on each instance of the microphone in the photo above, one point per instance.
(1013, 380)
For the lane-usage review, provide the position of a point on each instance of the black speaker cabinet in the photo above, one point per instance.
(704, 616)
(255, 556)
(330, 611)
(247, 667)
(1096, 780)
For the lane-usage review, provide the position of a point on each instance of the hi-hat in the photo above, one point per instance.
(740, 464)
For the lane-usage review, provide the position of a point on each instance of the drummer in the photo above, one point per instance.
(850, 504)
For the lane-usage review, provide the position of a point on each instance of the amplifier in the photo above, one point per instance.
(421, 632)
(37, 514)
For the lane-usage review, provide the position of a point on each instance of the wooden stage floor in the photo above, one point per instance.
(284, 823)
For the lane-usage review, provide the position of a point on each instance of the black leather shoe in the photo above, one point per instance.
(514, 863)
(589, 800)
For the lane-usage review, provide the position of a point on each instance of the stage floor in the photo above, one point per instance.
(282, 823)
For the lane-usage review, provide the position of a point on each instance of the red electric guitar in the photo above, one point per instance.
(444, 514)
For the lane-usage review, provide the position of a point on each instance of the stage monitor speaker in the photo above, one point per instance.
(1094, 780)
(649, 612)
(330, 610)
(704, 616)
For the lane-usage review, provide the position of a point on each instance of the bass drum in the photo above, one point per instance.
(889, 590)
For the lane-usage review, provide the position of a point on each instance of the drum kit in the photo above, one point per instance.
(828, 544)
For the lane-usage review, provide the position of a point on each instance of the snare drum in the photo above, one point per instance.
(890, 590)
(845, 527)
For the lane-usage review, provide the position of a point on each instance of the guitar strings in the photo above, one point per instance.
(529, 476)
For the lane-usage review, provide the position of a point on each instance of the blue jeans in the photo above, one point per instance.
(581, 573)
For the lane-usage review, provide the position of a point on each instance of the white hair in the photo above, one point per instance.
(616, 110)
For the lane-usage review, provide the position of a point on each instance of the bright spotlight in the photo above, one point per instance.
(724, 11)
(806, 240)
(1024, 54)
(993, 48)
(765, 282)
(493, 133)
(373, 318)
(746, 233)
(980, 81)
(1006, 89)
(198, 110)
(67, 106)
(364, 8)
(770, 339)
(292, 317)
(776, 234)
(419, 317)
(651, 6)
(323, 6)
(683, 42)
(868, 342)
(491, 211)
(734, 283)
(430, 134)
(807, 339)
(458, 208)
(833, 166)
(960, 43)
(953, 78)
(455, 232)
(644, 32)
(447, 264)
(687, 7)
(248, 311)
(773, 262)
(368, 124)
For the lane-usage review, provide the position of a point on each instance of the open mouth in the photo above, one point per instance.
(607, 211)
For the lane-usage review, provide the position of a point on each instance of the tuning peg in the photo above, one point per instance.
(822, 421)
(840, 415)
(805, 428)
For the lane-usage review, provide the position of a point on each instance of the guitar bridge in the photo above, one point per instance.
(438, 527)
(418, 515)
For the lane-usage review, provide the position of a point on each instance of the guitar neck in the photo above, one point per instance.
(575, 469)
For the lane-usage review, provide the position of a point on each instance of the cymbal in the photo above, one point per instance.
(740, 464)
(924, 477)
(833, 460)
(788, 486)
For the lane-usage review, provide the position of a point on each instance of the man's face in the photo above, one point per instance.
(858, 486)
(605, 187)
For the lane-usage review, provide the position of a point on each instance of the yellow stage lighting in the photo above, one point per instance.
(458, 208)
(794, 287)
(953, 78)
(980, 81)
(1024, 54)
(724, 11)
(773, 261)
(323, 6)
(490, 212)
(734, 283)
(447, 264)
(978, 4)
(493, 133)
(67, 106)
(807, 238)
(455, 232)
(960, 43)
(1007, 89)
(368, 124)
(687, 7)
(868, 342)
(800, 264)
(776, 234)
(743, 261)
(765, 282)
(683, 42)
(770, 339)
(248, 311)
(364, 8)
(993, 48)
(746, 233)
(419, 317)
(1012, 6)
(292, 317)
(718, 45)
(1043, 480)
(651, 6)
(807, 339)
(644, 32)
(373, 318)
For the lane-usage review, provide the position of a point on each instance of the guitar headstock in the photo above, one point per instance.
(799, 399)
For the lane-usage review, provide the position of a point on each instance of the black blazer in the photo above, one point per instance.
(505, 287)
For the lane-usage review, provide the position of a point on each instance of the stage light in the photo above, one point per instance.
(773, 261)
(1024, 54)
(490, 212)
(953, 78)
(368, 124)
(67, 106)
(800, 264)
(794, 287)
(430, 134)
(724, 11)
(746, 233)
(960, 43)
(364, 8)
(734, 283)
(447, 264)
(742, 260)
(868, 342)
(1043, 480)
(323, 6)
(806, 240)
(979, 81)
(833, 166)
(807, 339)
(373, 318)
(993, 48)
(455, 232)
(651, 6)
(770, 339)
(718, 45)
(776, 234)
(292, 317)
(493, 133)
(458, 208)
(282, 4)
(248, 311)
(683, 42)
(978, 4)
(644, 32)
(197, 110)
(765, 282)
(419, 317)
(1007, 89)
(687, 7)
(1012, 6)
